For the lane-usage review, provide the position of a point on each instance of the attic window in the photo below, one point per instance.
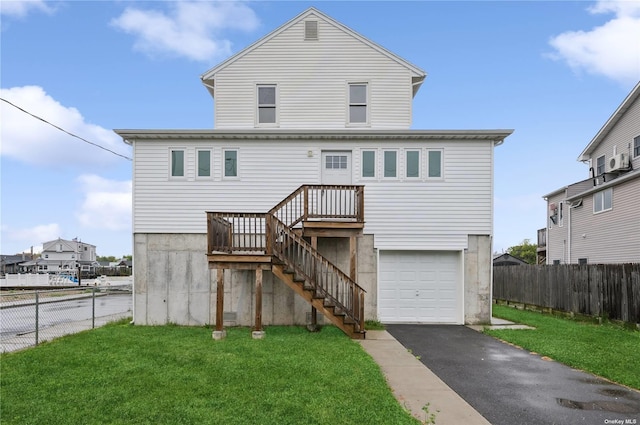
(310, 30)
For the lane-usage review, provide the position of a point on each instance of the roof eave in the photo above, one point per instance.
(611, 122)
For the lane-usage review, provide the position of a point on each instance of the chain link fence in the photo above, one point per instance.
(28, 318)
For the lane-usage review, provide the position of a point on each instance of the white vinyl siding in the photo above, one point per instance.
(435, 214)
(312, 78)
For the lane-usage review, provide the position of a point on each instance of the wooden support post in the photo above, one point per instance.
(220, 300)
(219, 333)
(314, 312)
(258, 325)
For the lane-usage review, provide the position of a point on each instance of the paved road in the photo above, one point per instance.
(509, 386)
(17, 321)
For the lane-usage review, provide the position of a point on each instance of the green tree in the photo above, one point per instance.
(109, 258)
(525, 251)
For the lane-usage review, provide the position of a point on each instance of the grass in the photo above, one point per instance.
(607, 350)
(123, 374)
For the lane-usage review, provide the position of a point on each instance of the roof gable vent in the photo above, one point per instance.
(310, 30)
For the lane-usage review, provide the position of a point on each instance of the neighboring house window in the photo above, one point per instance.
(561, 214)
(368, 163)
(390, 163)
(46, 255)
(636, 147)
(358, 103)
(336, 162)
(267, 104)
(177, 163)
(231, 163)
(603, 200)
(413, 164)
(435, 164)
(600, 165)
(204, 163)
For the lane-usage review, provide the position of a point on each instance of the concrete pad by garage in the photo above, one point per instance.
(414, 385)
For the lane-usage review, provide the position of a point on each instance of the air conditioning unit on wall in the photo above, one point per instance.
(619, 162)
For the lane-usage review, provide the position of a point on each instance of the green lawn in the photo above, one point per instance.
(123, 374)
(607, 350)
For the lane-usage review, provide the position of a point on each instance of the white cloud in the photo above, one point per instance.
(189, 29)
(21, 8)
(32, 141)
(612, 50)
(106, 204)
(34, 235)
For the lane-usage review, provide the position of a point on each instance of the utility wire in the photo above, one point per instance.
(65, 131)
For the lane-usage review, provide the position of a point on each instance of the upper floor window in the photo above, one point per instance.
(177, 162)
(368, 163)
(230, 163)
(600, 165)
(204, 163)
(636, 146)
(390, 163)
(413, 164)
(603, 200)
(267, 104)
(435, 164)
(310, 30)
(358, 103)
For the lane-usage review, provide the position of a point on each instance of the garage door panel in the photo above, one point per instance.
(419, 287)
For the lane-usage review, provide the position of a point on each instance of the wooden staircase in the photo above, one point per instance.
(275, 241)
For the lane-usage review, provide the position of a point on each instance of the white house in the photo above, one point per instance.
(596, 220)
(405, 214)
(64, 255)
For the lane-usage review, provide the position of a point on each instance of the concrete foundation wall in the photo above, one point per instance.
(477, 280)
(173, 284)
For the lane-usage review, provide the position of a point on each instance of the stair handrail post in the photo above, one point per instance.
(305, 213)
(268, 233)
(361, 311)
(360, 198)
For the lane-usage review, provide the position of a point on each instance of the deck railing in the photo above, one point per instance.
(337, 289)
(236, 232)
(317, 202)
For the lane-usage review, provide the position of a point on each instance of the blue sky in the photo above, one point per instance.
(552, 71)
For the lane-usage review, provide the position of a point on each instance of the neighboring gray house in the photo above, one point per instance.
(597, 220)
(314, 181)
(507, 259)
(62, 255)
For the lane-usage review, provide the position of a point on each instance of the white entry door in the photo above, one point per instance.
(420, 287)
(336, 167)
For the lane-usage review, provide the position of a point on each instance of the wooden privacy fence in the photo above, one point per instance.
(604, 290)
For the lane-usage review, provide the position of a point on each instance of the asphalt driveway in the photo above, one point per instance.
(508, 385)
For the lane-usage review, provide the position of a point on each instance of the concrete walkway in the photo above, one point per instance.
(414, 385)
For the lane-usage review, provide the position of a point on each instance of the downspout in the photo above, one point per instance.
(569, 234)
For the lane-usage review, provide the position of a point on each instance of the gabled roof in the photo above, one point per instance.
(209, 76)
(611, 122)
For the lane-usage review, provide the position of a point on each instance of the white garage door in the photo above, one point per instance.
(419, 287)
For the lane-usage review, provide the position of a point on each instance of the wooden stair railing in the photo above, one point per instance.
(294, 260)
(314, 277)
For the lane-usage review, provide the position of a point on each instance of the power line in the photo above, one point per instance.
(65, 131)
